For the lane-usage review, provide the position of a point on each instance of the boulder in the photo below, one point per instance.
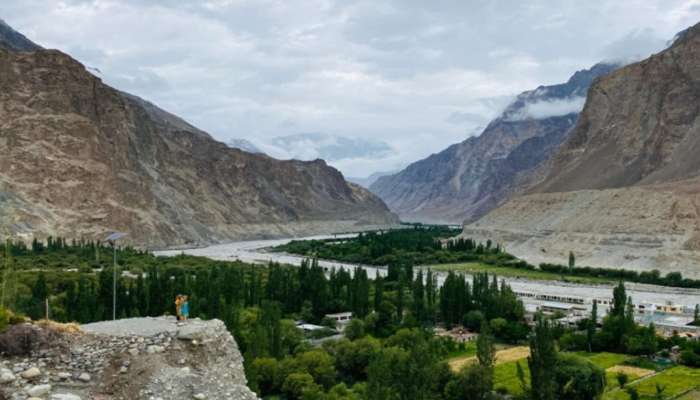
(30, 373)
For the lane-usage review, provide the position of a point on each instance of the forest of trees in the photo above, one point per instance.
(419, 245)
(428, 245)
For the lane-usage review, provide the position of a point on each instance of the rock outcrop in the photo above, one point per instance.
(468, 179)
(623, 190)
(138, 358)
(80, 158)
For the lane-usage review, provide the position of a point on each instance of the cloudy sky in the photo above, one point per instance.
(418, 75)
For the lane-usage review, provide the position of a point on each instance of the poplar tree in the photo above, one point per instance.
(419, 298)
(542, 359)
(590, 331)
(486, 354)
(572, 260)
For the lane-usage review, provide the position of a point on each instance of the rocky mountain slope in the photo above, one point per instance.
(468, 179)
(80, 158)
(245, 145)
(13, 40)
(138, 358)
(623, 190)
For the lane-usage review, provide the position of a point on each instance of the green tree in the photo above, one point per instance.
(355, 329)
(6, 273)
(543, 355)
(485, 349)
(419, 298)
(40, 293)
(572, 260)
(270, 322)
(353, 358)
(659, 391)
(622, 379)
(320, 365)
(471, 383)
(473, 320)
(266, 375)
(378, 292)
(520, 373)
(341, 392)
(578, 378)
(300, 385)
(399, 374)
(632, 393)
(591, 327)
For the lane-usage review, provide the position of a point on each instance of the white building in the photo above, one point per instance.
(341, 319)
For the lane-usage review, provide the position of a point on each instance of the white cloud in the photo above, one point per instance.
(406, 72)
(549, 108)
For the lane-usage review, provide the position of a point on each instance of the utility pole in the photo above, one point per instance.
(114, 283)
(112, 239)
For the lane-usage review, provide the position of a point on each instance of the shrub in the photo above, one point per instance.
(20, 340)
(4, 319)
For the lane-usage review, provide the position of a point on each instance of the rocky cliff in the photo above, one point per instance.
(468, 179)
(80, 158)
(138, 358)
(623, 190)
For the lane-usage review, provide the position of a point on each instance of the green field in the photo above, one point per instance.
(676, 381)
(506, 377)
(513, 272)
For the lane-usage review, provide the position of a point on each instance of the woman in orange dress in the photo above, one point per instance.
(178, 306)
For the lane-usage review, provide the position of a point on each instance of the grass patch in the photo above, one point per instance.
(605, 360)
(512, 272)
(692, 395)
(676, 381)
(633, 373)
(504, 355)
(468, 351)
(506, 376)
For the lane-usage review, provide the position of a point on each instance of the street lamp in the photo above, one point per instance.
(112, 239)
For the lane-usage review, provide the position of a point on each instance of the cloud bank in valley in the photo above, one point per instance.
(550, 108)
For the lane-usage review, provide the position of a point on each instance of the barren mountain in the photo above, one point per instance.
(80, 158)
(623, 190)
(468, 179)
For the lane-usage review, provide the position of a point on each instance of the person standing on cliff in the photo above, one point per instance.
(185, 308)
(178, 307)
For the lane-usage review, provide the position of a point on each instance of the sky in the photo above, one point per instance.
(415, 75)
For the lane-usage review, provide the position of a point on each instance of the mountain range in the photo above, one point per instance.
(80, 158)
(623, 190)
(468, 179)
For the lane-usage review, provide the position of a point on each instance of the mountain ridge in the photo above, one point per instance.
(470, 178)
(624, 189)
(82, 158)
(12, 40)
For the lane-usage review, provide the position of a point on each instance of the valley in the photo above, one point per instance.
(349, 200)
